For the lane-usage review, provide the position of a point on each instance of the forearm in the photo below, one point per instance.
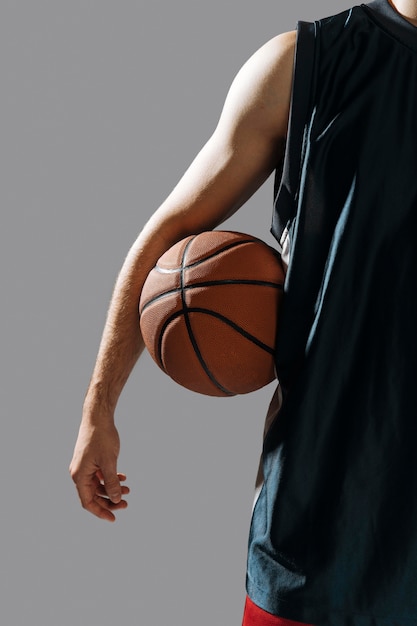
(120, 347)
(121, 343)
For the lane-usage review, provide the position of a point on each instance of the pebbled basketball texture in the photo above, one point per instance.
(209, 312)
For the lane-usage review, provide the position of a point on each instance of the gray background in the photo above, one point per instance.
(103, 105)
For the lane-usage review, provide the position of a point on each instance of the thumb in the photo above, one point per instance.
(112, 485)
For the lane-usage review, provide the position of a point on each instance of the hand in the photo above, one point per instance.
(93, 470)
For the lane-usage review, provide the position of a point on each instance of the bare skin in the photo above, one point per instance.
(245, 148)
(406, 8)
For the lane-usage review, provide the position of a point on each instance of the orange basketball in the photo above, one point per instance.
(209, 311)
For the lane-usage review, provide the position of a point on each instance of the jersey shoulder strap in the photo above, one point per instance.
(287, 181)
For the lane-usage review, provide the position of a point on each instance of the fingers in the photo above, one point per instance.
(94, 497)
(102, 487)
(111, 482)
(106, 506)
(103, 504)
(101, 491)
(92, 503)
(102, 508)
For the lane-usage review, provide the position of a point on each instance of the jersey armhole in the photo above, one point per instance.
(287, 183)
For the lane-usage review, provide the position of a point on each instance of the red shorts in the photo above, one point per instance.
(254, 616)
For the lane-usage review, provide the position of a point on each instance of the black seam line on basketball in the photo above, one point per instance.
(190, 330)
(211, 283)
(160, 339)
(172, 317)
(177, 270)
(235, 327)
(161, 336)
(225, 320)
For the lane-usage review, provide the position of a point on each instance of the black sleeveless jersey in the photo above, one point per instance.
(333, 537)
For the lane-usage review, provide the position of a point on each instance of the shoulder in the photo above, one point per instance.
(279, 49)
(261, 91)
(276, 53)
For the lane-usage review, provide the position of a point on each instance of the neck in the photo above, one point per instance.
(406, 8)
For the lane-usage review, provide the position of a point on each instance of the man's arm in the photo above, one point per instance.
(247, 145)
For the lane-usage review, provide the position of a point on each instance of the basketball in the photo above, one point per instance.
(209, 311)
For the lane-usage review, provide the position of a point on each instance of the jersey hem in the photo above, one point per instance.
(313, 614)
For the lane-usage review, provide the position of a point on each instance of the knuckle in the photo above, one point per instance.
(74, 475)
